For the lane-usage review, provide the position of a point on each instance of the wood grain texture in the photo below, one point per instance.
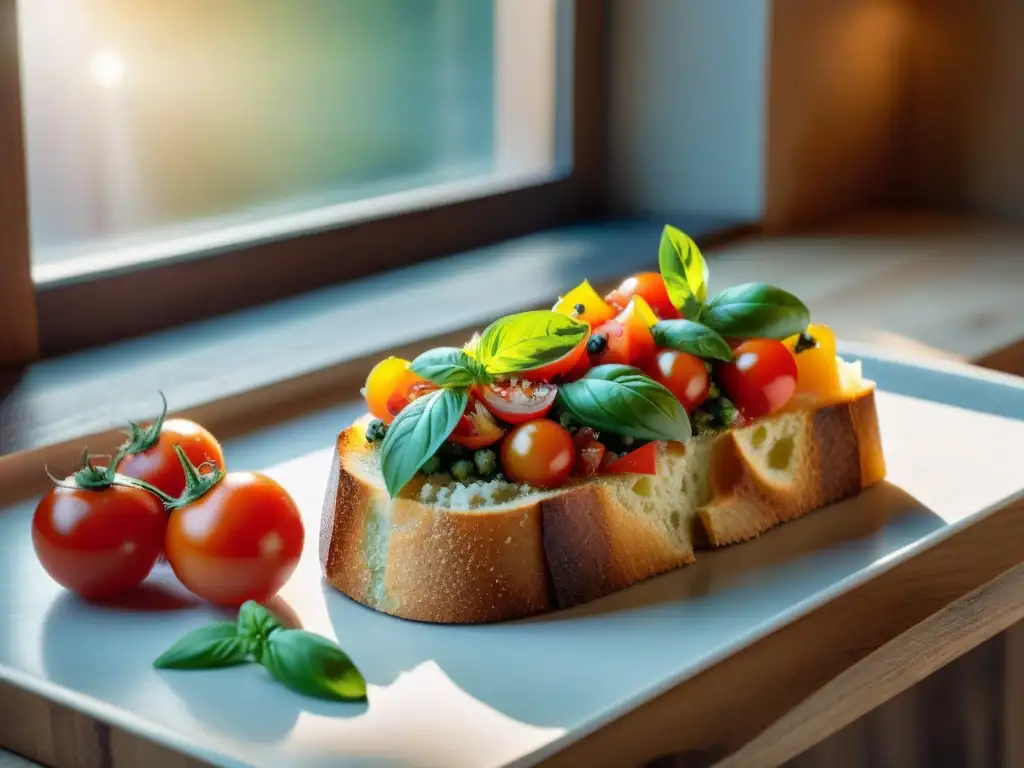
(54, 735)
(18, 338)
(896, 666)
(962, 147)
(836, 100)
(708, 717)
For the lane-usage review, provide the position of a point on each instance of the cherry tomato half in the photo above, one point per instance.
(761, 378)
(641, 461)
(651, 287)
(684, 375)
(159, 466)
(98, 543)
(477, 427)
(387, 388)
(239, 541)
(624, 339)
(540, 453)
(517, 400)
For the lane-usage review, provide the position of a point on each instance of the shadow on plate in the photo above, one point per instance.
(509, 665)
(209, 697)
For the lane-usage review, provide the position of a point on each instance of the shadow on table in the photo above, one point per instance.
(534, 669)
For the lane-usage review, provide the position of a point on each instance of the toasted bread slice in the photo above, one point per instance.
(451, 553)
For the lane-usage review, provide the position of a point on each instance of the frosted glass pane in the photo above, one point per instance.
(150, 121)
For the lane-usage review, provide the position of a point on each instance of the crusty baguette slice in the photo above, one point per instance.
(419, 558)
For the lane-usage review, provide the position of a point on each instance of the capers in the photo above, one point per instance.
(462, 470)
(578, 310)
(376, 430)
(486, 462)
(804, 342)
(597, 344)
(432, 466)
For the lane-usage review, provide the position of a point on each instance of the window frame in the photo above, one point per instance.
(51, 319)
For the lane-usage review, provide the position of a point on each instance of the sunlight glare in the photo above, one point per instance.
(107, 69)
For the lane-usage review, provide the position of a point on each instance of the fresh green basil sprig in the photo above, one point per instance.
(623, 400)
(307, 663)
(741, 312)
(510, 345)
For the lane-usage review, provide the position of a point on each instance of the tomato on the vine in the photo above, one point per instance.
(518, 400)
(149, 452)
(477, 427)
(651, 287)
(624, 339)
(683, 374)
(388, 386)
(234, 537)
(95, 538)
(641, 461)
(761, 378)
(540, 453)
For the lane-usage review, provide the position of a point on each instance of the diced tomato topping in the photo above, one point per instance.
(399, 400)
(642, 461)
(590, 452)
(627, 339)
(477, 427)
(651, 287)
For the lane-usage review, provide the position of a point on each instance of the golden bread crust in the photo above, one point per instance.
(549, 551)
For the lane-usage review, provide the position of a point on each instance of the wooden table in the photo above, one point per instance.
(946, 288)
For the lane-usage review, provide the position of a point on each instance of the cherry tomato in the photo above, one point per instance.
(477, 427)
(817, 372)
(159, 466)
(642, 461)
(761, 378)
(684, 375)
(239, 541)
(540, 453)
(651, 287)
(591, 452)
(98, 543)
(517, 400)
(579, 370)
(387, 388)
(595, 309)
(627, 339)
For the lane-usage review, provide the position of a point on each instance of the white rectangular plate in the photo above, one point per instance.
(508, 693)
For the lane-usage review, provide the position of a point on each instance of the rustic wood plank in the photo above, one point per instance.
(715, 713)
(896, 666)
(18, 340)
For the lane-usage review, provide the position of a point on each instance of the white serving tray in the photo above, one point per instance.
(509, 693)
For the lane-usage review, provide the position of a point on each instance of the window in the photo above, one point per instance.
(276, 145)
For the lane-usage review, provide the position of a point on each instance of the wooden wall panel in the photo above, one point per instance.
(836, 107)
(17, 296)
(965, 143)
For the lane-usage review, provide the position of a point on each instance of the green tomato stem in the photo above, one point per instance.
(141, 439)
(197, 484)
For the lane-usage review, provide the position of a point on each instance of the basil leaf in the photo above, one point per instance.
(255, 625)
(684, 271)
(416, 434)
(313, 666)
(692, 338)
(621, 399)
(216, 645)
(447, 367)
(528, 340)
(755, 309)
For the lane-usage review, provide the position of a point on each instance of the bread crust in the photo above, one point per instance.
(429, 563)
